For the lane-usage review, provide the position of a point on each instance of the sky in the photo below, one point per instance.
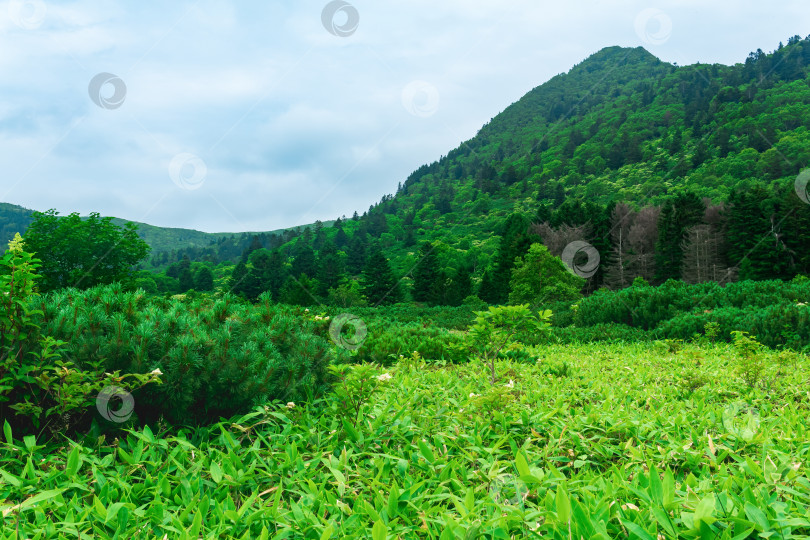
(260, 115)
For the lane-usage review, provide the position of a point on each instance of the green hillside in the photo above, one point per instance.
(13, 219)
(169, 240)
(620, 127)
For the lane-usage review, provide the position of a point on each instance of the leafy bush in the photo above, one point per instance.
(539, 277)
(779, 325)
(384, 344)
(602, 332)
(497, 328)
(751, 359)
(453, 318)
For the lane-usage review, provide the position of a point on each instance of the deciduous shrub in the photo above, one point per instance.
(384, 343)
(498, 327)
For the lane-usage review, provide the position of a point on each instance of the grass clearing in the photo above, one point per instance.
(595, 441)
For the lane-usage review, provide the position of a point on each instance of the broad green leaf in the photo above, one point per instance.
(353, 434)
(196, 525)
(327, 533)
(522, 464)
(44, 496)
(73, 462)
(563, 504)
(705, 510)
(757, 516)
(668, 489)
(393, 502)
(637, 530)
(379, 531)
(7, 432)
(469, 499)
(10, 478)
(30, 442)
(426, 452)
(216, 472)
(656, 489)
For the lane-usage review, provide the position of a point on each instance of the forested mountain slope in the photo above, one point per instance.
(624, 127)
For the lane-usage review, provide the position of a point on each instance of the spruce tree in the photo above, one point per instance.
(330, 268)
(487, 290)
(379, 284)
(515, 241)
(301, 291)
(459, 287)
(204, 279)
(755, 240)
(427, 276)
(186, 280)
(305, 262)
(356, 254)
(237, 281)
(275, 274)
(678, 215)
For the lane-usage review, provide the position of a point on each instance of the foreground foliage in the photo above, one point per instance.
(598, 441)
(218, 356)
(38, 387)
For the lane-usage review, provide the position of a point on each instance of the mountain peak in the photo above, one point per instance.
(615, 56)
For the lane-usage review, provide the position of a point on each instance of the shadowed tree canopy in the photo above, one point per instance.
(380, 285)
(82, 253)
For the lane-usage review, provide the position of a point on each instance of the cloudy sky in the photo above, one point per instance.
(258, 115)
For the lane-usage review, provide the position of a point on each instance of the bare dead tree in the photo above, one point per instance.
(616, 273)
(556, 239)
(641, 237)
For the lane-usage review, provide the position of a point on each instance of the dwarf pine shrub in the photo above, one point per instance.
(42, 390)
(219, 356)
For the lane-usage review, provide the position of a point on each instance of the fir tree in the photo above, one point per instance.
(379, 284)
(186, 280)
(677, 216)
(237, 281)
(428, 282)
(487, 290)
(299, 292)
(204, 279)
